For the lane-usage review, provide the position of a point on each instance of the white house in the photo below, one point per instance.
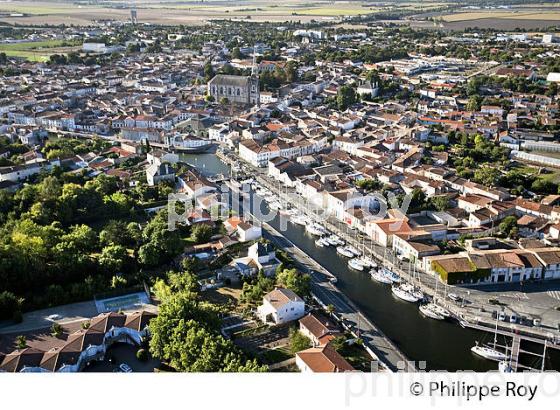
(156, 173)
(281, 306)
(261, 256)
(248, 232)
(19, 173)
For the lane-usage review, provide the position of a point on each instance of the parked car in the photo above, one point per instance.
(536, 322)
(502, 316)
(454, 297)
(513, 318)
(125, 368)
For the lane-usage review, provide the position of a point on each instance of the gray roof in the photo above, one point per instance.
(231, 80)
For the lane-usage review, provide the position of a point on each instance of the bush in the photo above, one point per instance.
(142, 355)
(9, 305)
(56, 330)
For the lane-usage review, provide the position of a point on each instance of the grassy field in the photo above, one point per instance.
(36, 50)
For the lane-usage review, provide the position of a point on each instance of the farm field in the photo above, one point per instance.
(536, 15)
(36, 50)
(163, 12)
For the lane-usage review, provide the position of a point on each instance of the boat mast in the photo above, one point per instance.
(543, 356)
(496, 333)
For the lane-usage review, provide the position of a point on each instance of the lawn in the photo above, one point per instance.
(34, 50)
(271, 356)
(553, 175)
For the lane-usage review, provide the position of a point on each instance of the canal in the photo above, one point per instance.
(442, 345)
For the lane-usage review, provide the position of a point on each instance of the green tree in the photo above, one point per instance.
(338, 343)
(208, 71)
(185, 334)
(149, 255)
(345, 97)
(298, 341)
(474, 103)
(201, 233)
(294, 280)
(440, 203)
(237, 54)
(113, 258)
(544, 186)
(486, 175)
(114, 233)
(508, 226)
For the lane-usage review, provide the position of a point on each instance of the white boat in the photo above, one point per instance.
(331, 241)
(489, 353)
(392, 275)
(441, 310)
(368, 262)
(320, 243)
(315, 229)
(353, 250)
(335, 240)
(344, 252)
(429, 311)
(412, 290)
(403, 294)
(380, 277)
(354, 264)
(320, 227)
(333, 280)
(300, 220)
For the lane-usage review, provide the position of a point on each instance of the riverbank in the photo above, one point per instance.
(443, 345)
